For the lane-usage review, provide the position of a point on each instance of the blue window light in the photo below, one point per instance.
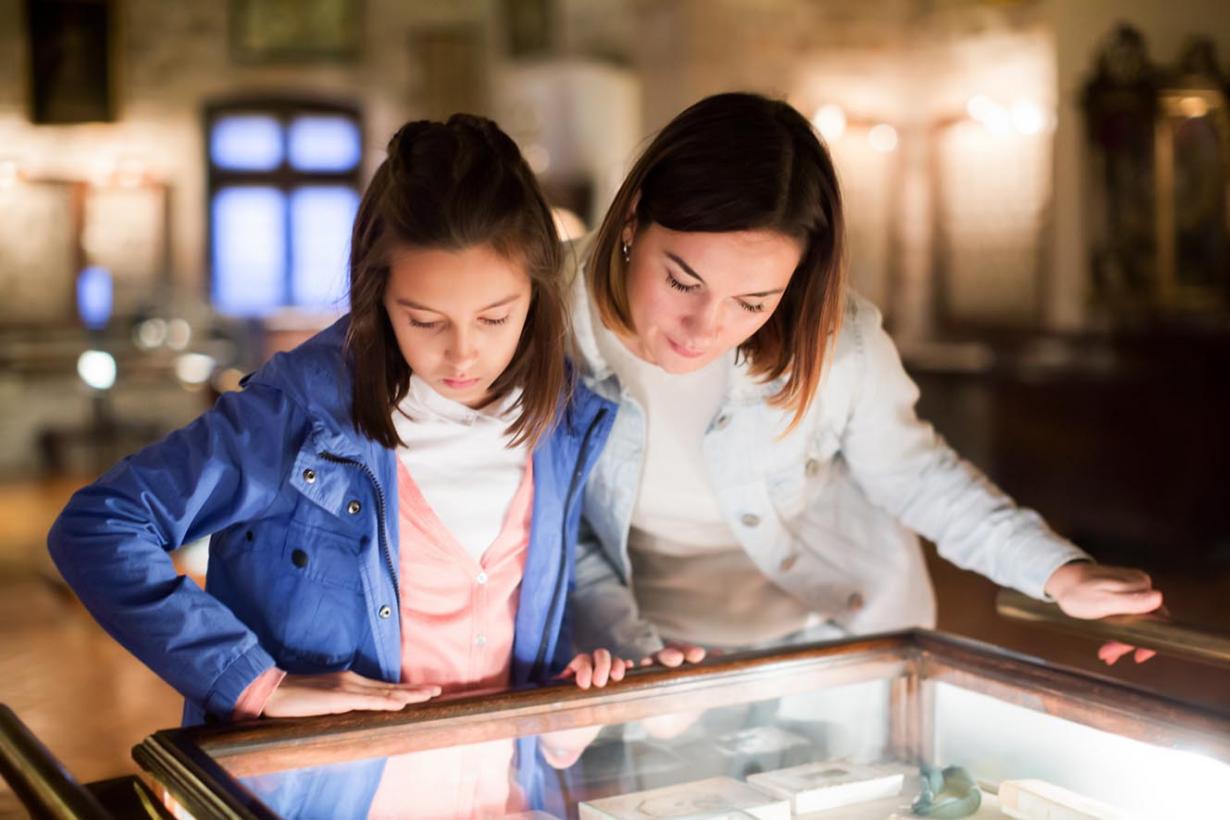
(321, 218)
(324, 143)
(249, 249)
(94, 297)
(246, 142)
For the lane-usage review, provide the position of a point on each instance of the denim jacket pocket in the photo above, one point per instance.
(320, 626)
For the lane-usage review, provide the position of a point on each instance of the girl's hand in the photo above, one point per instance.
(1085, 590)
(675, 654)
(336, 692)
(597, 669)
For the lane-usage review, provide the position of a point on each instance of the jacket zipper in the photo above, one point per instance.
(561, 581)
(380, 532)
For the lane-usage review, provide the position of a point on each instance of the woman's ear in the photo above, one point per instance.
(628, 232)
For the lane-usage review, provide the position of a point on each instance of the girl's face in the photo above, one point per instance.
(695, 296)
(457, 316)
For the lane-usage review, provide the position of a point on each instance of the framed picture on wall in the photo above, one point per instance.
(288, 31)
(71, 70)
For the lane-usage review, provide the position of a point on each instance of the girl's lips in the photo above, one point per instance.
(686, 352)
(460, 384)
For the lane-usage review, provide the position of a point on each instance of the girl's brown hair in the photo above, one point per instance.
(452, 186)
(739, 162)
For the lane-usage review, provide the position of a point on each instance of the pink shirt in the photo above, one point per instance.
(458, 617)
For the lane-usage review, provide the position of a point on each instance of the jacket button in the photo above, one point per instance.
(384, 611)
(353, 507)
(788, 562)
(299, 558)
(812, 468)
(309, 475)
(855, 602)
(750, 520)
(722, 422)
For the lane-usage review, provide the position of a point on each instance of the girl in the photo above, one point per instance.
(393, 504)
(766, 454)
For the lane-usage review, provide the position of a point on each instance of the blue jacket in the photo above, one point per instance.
(303, 569)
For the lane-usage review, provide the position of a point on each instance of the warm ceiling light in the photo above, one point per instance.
(830, 121)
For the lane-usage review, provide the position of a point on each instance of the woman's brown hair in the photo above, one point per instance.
(452, 186)
(739, 162)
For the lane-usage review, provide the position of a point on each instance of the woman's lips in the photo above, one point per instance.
(460, 384)
(686, 352)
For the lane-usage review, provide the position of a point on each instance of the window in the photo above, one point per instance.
(283, 191)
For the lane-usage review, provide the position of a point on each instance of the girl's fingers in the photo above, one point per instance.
(694, 654)
(618, 669)
(417, 694)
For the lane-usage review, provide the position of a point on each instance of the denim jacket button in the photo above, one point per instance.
(750, 520)
(855, 602)
(353, 507)
(384, 612)
(309, 476)
(299, 558)
(812, 468)
(722, 422)
(788, 562)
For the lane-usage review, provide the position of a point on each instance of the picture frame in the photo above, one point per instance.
(71, 61)
(295, 31)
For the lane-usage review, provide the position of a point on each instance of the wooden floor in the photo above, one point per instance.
(91, 702)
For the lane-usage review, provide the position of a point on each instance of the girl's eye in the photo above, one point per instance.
(679, 286)
(424, 325)
(494, 322)
(750, 308)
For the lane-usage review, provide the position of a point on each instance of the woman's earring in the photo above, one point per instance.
(626, 250)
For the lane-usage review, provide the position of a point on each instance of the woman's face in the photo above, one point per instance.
(695, 296)
(457, 316)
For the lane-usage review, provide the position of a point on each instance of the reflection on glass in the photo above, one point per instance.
(869, 742)
(249, 249)
(246, 142)
(321, 217)
(324, 143)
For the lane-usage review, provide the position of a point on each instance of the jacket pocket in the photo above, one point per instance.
(322, 604)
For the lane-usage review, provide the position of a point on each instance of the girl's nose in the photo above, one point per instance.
(462, 350)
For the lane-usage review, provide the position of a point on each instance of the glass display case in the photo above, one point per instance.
(857, 728)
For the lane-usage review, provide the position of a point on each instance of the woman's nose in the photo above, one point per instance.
(705, 322)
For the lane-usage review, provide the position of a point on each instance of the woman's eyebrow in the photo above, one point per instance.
(688, 270)
(498, 303)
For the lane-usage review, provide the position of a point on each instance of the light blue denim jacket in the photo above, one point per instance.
(825, 511)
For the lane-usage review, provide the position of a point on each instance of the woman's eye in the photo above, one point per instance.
(679, 286)
(424, 325)
(493, 322)
(751, 308)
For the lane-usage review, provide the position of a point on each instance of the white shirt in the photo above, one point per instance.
(461, 462)
(675, 505)
(694, 581)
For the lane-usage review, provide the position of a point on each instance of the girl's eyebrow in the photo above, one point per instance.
(416, 306)
(688, 270)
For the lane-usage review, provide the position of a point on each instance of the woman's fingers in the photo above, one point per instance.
(1112, 651)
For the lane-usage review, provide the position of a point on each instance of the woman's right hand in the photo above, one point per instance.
(336, 692)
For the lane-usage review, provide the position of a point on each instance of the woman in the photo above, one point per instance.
(766, 460)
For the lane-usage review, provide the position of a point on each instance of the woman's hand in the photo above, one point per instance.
(675, 654)
(596, 669)
(336, 692)
(1085, 590)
